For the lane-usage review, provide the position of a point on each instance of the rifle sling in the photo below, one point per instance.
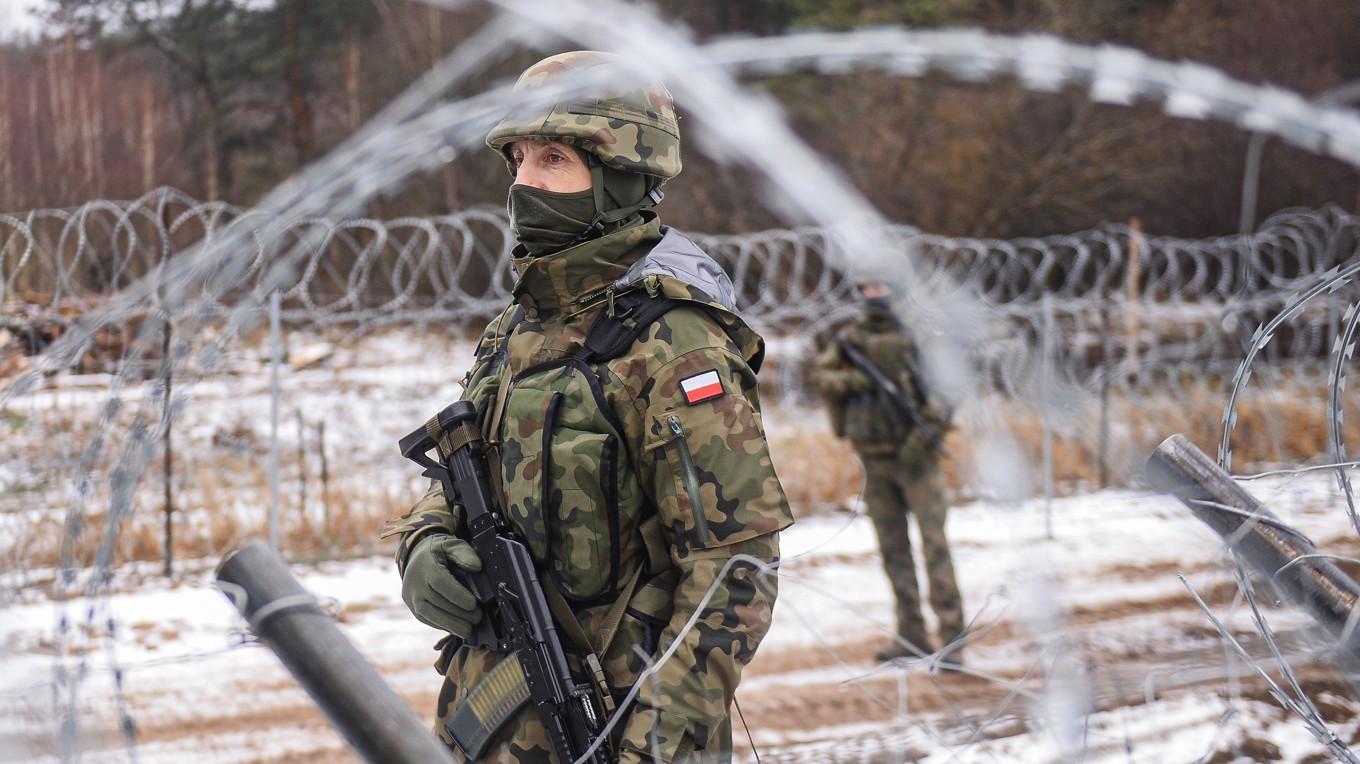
(562, 612)
(881, 380)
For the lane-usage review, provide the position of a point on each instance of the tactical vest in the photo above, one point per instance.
(564, 482)
(869, 419)
(565, 475)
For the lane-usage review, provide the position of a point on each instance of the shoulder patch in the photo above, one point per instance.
(701, 387)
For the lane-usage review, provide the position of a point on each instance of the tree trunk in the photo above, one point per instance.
(92, 127)
(434, 33)
(355, 112)
(7, 118)
(34, 119)
(148, 137)
(212, 188)
(61, 75)
(297, 82)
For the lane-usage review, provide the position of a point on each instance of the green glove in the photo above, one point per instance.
(432, 592)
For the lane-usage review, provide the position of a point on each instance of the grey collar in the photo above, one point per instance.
(680, 258)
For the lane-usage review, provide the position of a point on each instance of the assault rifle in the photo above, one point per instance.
(904, 408)
(516, 619)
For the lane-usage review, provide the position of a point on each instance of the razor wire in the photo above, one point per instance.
(1133, 310)
(1135, 76)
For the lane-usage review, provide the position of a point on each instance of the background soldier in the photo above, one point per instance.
(618, 394)
(897, 429)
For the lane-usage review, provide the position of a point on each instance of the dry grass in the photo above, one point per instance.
(1285, 427)
(222, 494)
(818, 470)
(1273, 429)
(220, 502)
(208, 534)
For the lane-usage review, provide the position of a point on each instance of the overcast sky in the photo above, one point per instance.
(15, 17)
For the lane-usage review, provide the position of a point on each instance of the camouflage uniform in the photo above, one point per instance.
(590, 452)
(902, 470)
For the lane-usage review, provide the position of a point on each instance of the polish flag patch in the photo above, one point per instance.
(701, 387)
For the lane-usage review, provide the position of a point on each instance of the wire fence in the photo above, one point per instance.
(162, 286)
(1121, 307)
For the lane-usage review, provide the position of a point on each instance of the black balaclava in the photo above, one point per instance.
(546, 221)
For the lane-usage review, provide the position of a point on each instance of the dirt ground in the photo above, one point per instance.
(824, 699)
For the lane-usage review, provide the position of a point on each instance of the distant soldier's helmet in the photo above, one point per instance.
(629, 127)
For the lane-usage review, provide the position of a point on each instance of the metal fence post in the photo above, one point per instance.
(1107, 370)
(275, 361)
(168, 456)
(373, 719)
(1045, 403)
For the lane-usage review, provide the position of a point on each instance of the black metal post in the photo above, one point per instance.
(325, 482)
(373, 719)
(168, 463)
(1275, 550)
(1106, 368)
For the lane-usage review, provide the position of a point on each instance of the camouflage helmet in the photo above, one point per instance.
(632, 128)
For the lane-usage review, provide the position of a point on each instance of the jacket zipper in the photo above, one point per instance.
(545, 484)
(691, 476)
(609, 480)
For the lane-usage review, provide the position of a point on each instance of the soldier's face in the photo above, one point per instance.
(549, 166)
(875, 291)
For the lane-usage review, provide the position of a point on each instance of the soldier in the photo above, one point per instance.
(618, 393)
(896, 426)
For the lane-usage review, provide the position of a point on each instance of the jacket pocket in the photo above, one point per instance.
(689, 491)
(522, 466)
(715, 483)
(581, 500)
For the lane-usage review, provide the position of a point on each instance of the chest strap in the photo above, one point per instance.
(620, 325)
(492, 419)
(589, 650)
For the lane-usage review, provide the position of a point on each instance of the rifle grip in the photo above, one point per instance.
(483, 633)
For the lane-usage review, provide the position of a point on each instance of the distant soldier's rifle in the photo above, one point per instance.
(904, 408)
(516, 618)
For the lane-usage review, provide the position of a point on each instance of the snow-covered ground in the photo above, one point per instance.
(1086, 639)
(1085, 645)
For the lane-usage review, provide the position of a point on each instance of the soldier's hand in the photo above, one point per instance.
(939, 415)
(432, 592)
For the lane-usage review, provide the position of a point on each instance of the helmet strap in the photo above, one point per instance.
(604, 218)
(597, 186)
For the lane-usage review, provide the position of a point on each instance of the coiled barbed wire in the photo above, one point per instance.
(222, 277)
(1140, 310)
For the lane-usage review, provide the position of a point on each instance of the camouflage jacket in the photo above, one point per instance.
(859, 410)
(588, 454)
